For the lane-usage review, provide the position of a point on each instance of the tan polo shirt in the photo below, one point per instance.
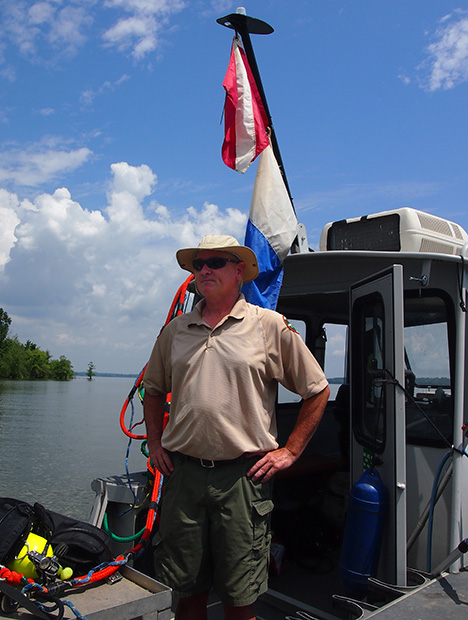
(224, 380)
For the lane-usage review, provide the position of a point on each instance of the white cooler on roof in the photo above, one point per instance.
(399, 230)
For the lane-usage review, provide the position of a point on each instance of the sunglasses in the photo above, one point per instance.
(215, 262)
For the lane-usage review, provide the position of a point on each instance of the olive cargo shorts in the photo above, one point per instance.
(214, 531)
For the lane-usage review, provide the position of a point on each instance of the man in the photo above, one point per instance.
(222, 363)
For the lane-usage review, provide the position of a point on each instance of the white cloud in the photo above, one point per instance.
(137, 181)
(39, 162)
(89, 95)
(8, 73)
(49, 31)
(67, 30)
(10, 220)
(140, 30)
(41, 12)
(447, 62)
(28, 27)
(98, 285)
(46, 111)
(134, 31)
(148, 7)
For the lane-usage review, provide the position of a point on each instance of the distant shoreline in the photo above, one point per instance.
(107, 374)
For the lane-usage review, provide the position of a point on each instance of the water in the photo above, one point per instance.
(56, 437)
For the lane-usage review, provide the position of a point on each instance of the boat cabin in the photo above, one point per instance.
(382, 306)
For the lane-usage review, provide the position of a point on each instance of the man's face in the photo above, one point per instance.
(217, 283)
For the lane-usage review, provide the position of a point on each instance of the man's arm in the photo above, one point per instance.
(153, 410)
(308, 419)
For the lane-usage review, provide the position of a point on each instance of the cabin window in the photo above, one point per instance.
(336, 337)
(284, 395)
(429, 402)
(368, 367)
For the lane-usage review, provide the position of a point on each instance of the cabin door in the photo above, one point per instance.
(378, 405)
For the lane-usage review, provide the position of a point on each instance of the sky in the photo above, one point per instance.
(110, 145)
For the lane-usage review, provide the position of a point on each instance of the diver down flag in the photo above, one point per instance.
(245, 119)
(271, 230)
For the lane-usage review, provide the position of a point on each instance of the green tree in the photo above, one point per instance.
(13, 360)
(28, 361)
(61, 369)
(37, 363)
(5, 323)
(90, 372)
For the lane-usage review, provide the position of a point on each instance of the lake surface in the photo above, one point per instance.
(56, 437)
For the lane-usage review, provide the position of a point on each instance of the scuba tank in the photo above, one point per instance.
(36, 556)
(363, 532)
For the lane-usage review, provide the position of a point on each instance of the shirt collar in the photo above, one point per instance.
(238, 311)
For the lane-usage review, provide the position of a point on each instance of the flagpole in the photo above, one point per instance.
(245, 25)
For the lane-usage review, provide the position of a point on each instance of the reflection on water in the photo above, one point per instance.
(56, 437)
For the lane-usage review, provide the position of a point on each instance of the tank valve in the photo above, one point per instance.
(49, 566)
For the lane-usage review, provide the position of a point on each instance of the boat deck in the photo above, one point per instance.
(445, 598)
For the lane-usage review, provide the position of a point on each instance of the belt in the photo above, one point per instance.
(208, 463)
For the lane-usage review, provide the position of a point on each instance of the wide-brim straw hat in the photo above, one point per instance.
(221, 243)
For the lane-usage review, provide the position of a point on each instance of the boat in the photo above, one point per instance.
(391, 287)
(372, 520)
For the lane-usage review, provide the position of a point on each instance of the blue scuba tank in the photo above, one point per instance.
(363, 532)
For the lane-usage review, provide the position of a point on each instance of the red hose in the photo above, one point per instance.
(179, 298)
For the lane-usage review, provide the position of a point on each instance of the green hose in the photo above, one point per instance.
(144, 449)
(120, 538)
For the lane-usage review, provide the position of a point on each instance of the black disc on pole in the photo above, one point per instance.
(239, 22)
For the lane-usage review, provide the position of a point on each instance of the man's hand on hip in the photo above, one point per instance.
(270, 464)
(161, 459)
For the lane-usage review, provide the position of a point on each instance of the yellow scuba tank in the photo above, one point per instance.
(38, 545)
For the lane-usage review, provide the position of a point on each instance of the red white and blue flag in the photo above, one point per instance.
(245, 119)
(271, 230)
(272, 225)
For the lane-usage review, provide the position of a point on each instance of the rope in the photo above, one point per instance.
(47, 602)
(100, 572)
(70, 605)
(11, 576)
(151, 516)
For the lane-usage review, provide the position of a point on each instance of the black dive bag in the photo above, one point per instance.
(77, 544)
(16, 519)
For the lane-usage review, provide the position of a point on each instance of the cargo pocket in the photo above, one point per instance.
(260, 554)
(261, 520)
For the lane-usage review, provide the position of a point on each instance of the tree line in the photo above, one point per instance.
(28, 361)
